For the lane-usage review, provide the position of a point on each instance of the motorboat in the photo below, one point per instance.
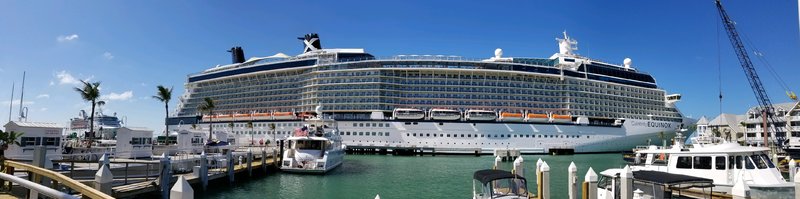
(445, 114)
(723, 162)
(408, 114)
(316, 147)
(491, 183)
(509, 116)
(536, 117)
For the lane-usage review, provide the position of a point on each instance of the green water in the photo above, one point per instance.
(364, 176)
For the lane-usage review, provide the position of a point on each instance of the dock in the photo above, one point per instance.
(127, 178)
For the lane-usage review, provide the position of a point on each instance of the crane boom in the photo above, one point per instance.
(747, 65)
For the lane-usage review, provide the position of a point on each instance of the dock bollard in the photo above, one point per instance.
(545, 187)
(796, 186)
(231, 167)
(165, 177)
(103, 160)
(572, 181)
(264, 160)
(539, 178)
(626, 183)
(103, 180)
(792, 167)
(204, 170)
(519, 169)
(590, 184)
(250, 162)
(181, 190)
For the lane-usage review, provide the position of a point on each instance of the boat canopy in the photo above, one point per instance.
(675, 181)
(487, 175)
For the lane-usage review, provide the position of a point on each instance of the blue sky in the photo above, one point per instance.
(132, 46)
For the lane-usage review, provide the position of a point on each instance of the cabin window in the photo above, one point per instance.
(719, 163)
(462, 135)
(373, 134)
(448, 135)
(469, 135)
(360, 133)
(684, 162)
(415, 135)
(427, 135)
(769, 162)
(481, 135)
(760, 163)
(702, 162)
(509, 135)
(347, 132)
(408, 123)
(387, 134)
(731, 162)
(25, 141)
(501, 135)
(360, 124)
(748, 163)
(739, 161)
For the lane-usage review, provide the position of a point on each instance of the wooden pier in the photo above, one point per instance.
(125, 178)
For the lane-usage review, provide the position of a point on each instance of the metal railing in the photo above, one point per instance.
(36, 187)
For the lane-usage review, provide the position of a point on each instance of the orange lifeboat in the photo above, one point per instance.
(241, 116)
(508, 116)
(262, 116)
(556, 118)
(305, 115)
(537, 117)
(224, 117)
(283, 115)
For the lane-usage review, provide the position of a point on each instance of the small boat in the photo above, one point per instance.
(509, 116)
(490, 183)
(556, 118)
(445, 114)
(305, 115)
(408, 114)
(480, 115)
(241, 116)
(537, 117)
(283, 115)
(314, 148)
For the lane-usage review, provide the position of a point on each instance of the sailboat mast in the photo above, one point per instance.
(11, 102)
(21, 96)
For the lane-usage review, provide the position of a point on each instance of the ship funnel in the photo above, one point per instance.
(237, 54)
(311, 42)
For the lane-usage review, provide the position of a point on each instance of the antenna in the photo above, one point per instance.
(11, 102)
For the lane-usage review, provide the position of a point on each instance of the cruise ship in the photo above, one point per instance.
(450, 104)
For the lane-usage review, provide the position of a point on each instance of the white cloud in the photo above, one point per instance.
(66, 38)
(42, 96)
(127, 95)
(43, 109)
(52, 83)
(65, 78)
(108, 55)
(16, 103)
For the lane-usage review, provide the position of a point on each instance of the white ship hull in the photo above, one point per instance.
(485, 137)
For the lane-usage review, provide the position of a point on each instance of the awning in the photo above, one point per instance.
(675, 181)
(488, 175)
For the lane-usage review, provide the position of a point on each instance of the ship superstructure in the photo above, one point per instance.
(566, 101)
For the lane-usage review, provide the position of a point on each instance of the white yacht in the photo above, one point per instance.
(716, 159)
(314, 148)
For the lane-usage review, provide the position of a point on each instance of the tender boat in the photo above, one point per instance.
(314, 148)
(653, 184)
(723, 162)
(445, 114)
(556, 118)
(262, 116)
(408, 114)
(490, 183)
(283, 115)
(509, 116)
(537, 117)
(480, 115)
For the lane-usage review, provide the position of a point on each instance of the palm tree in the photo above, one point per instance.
(164, 94)
(208, 106)
(250, 125)
(7, 138)
(90, 93)
(272, 129)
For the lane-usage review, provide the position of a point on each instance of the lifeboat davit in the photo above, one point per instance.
(283, 115)
(556, 118)
(262, 116)
(513, 117)
(537, 117)
(408, 114)
(445, 114)
(480, 115)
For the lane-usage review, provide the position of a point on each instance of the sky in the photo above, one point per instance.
(133, 46)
